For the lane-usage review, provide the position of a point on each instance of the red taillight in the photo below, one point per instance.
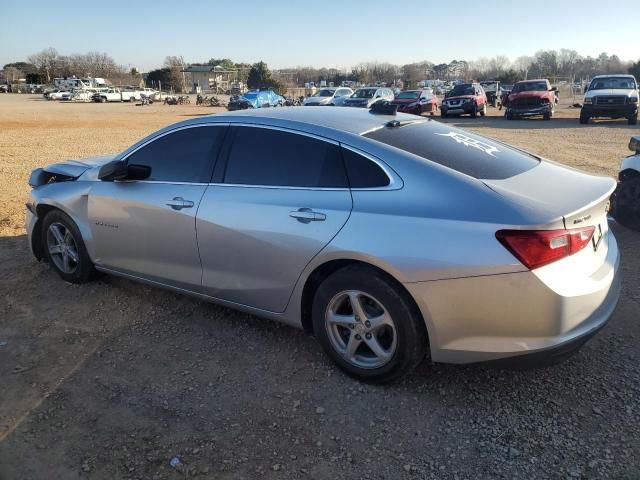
(535, 248)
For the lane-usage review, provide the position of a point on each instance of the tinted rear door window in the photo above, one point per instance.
(262, 156)
(185, 155)
(459, 150)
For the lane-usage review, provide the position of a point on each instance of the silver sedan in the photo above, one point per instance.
(387, 237)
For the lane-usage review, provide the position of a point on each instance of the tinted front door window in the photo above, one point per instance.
(182, 156)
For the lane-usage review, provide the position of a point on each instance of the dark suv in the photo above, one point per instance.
(465, 98)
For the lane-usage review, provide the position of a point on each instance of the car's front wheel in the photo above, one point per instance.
(64, 248)
(367, 325)
(633, 119)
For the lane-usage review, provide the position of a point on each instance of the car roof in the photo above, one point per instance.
(533, 80)
(354, 121)
(625, 75)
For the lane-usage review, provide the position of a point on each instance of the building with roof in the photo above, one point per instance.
(211, 78)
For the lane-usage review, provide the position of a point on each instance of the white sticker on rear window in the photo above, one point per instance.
(471, 142)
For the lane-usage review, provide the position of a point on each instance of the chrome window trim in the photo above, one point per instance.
(395, 182)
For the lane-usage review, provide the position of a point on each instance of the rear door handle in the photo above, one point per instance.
(306, 215)
(178, 203)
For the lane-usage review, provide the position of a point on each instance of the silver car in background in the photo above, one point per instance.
(366, 97)
(388, 237)
(328, 96)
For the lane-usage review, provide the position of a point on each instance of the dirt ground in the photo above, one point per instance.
(113, 379)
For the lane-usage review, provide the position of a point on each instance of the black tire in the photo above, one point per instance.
(508, 115)
(474, 112)
(132, 99)
(584, 119)
(443, 114)
(103, 99)
(627, 203)
(547, 116)
(633, 119)
(483, 112)
(84, 269)
(410, 332)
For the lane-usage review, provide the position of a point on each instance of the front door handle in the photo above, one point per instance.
(178, 203)
(306, 215)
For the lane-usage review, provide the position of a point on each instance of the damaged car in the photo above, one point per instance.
(353, 225)
(531, 98)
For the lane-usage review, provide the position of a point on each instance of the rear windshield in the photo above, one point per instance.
(459, 150)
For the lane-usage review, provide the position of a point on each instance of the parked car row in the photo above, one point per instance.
(100, 94)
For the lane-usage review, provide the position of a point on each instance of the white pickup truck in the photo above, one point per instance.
(116, 95)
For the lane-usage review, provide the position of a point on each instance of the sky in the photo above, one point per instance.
(329, 33)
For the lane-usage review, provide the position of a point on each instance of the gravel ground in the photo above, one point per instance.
(113, 379)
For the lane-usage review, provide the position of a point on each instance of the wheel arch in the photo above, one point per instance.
(324, 270)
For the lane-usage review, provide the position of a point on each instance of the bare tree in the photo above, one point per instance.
(45, 61)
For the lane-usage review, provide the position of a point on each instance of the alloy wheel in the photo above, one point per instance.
(360, 329)
(62, 248)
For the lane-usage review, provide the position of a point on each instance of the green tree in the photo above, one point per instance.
(161, 76)
(260, 77)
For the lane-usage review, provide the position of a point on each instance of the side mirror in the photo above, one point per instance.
(115, 170)
(119, 170)
(634, 144)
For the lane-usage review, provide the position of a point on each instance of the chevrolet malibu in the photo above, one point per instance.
(387, 237)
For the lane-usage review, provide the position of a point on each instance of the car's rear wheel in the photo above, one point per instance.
(103, 99)
(627, 203)
(367, 325)
(64, 248)
(508, 115)
(132, 99)
(443, 113)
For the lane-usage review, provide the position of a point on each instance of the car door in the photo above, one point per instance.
(282, 198)
(146, 227)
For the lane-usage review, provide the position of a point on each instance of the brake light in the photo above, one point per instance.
(535, 248)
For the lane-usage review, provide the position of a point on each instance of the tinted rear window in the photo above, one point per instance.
(459, 150)
(362, 172)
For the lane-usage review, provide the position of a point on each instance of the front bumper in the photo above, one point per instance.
(625, 110)
(464, 108)
(530, 112)
(494, 317)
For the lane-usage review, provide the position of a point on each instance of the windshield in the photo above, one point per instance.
(364, 93)
(324, 93)
(408, 95)
(459, 90)
(612, 82)
(530, 87)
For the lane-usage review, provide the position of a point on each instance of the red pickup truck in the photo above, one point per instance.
(530, 98)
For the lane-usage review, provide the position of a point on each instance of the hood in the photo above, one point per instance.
(627, 92)
(317, 100)
(75, 168)
(66, 170)
(404, 101)
(460, 97)
(535, 94)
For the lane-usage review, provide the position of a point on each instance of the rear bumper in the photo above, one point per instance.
(609, 111)
(495, 317)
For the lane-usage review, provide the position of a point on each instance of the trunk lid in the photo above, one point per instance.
(557, 197)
